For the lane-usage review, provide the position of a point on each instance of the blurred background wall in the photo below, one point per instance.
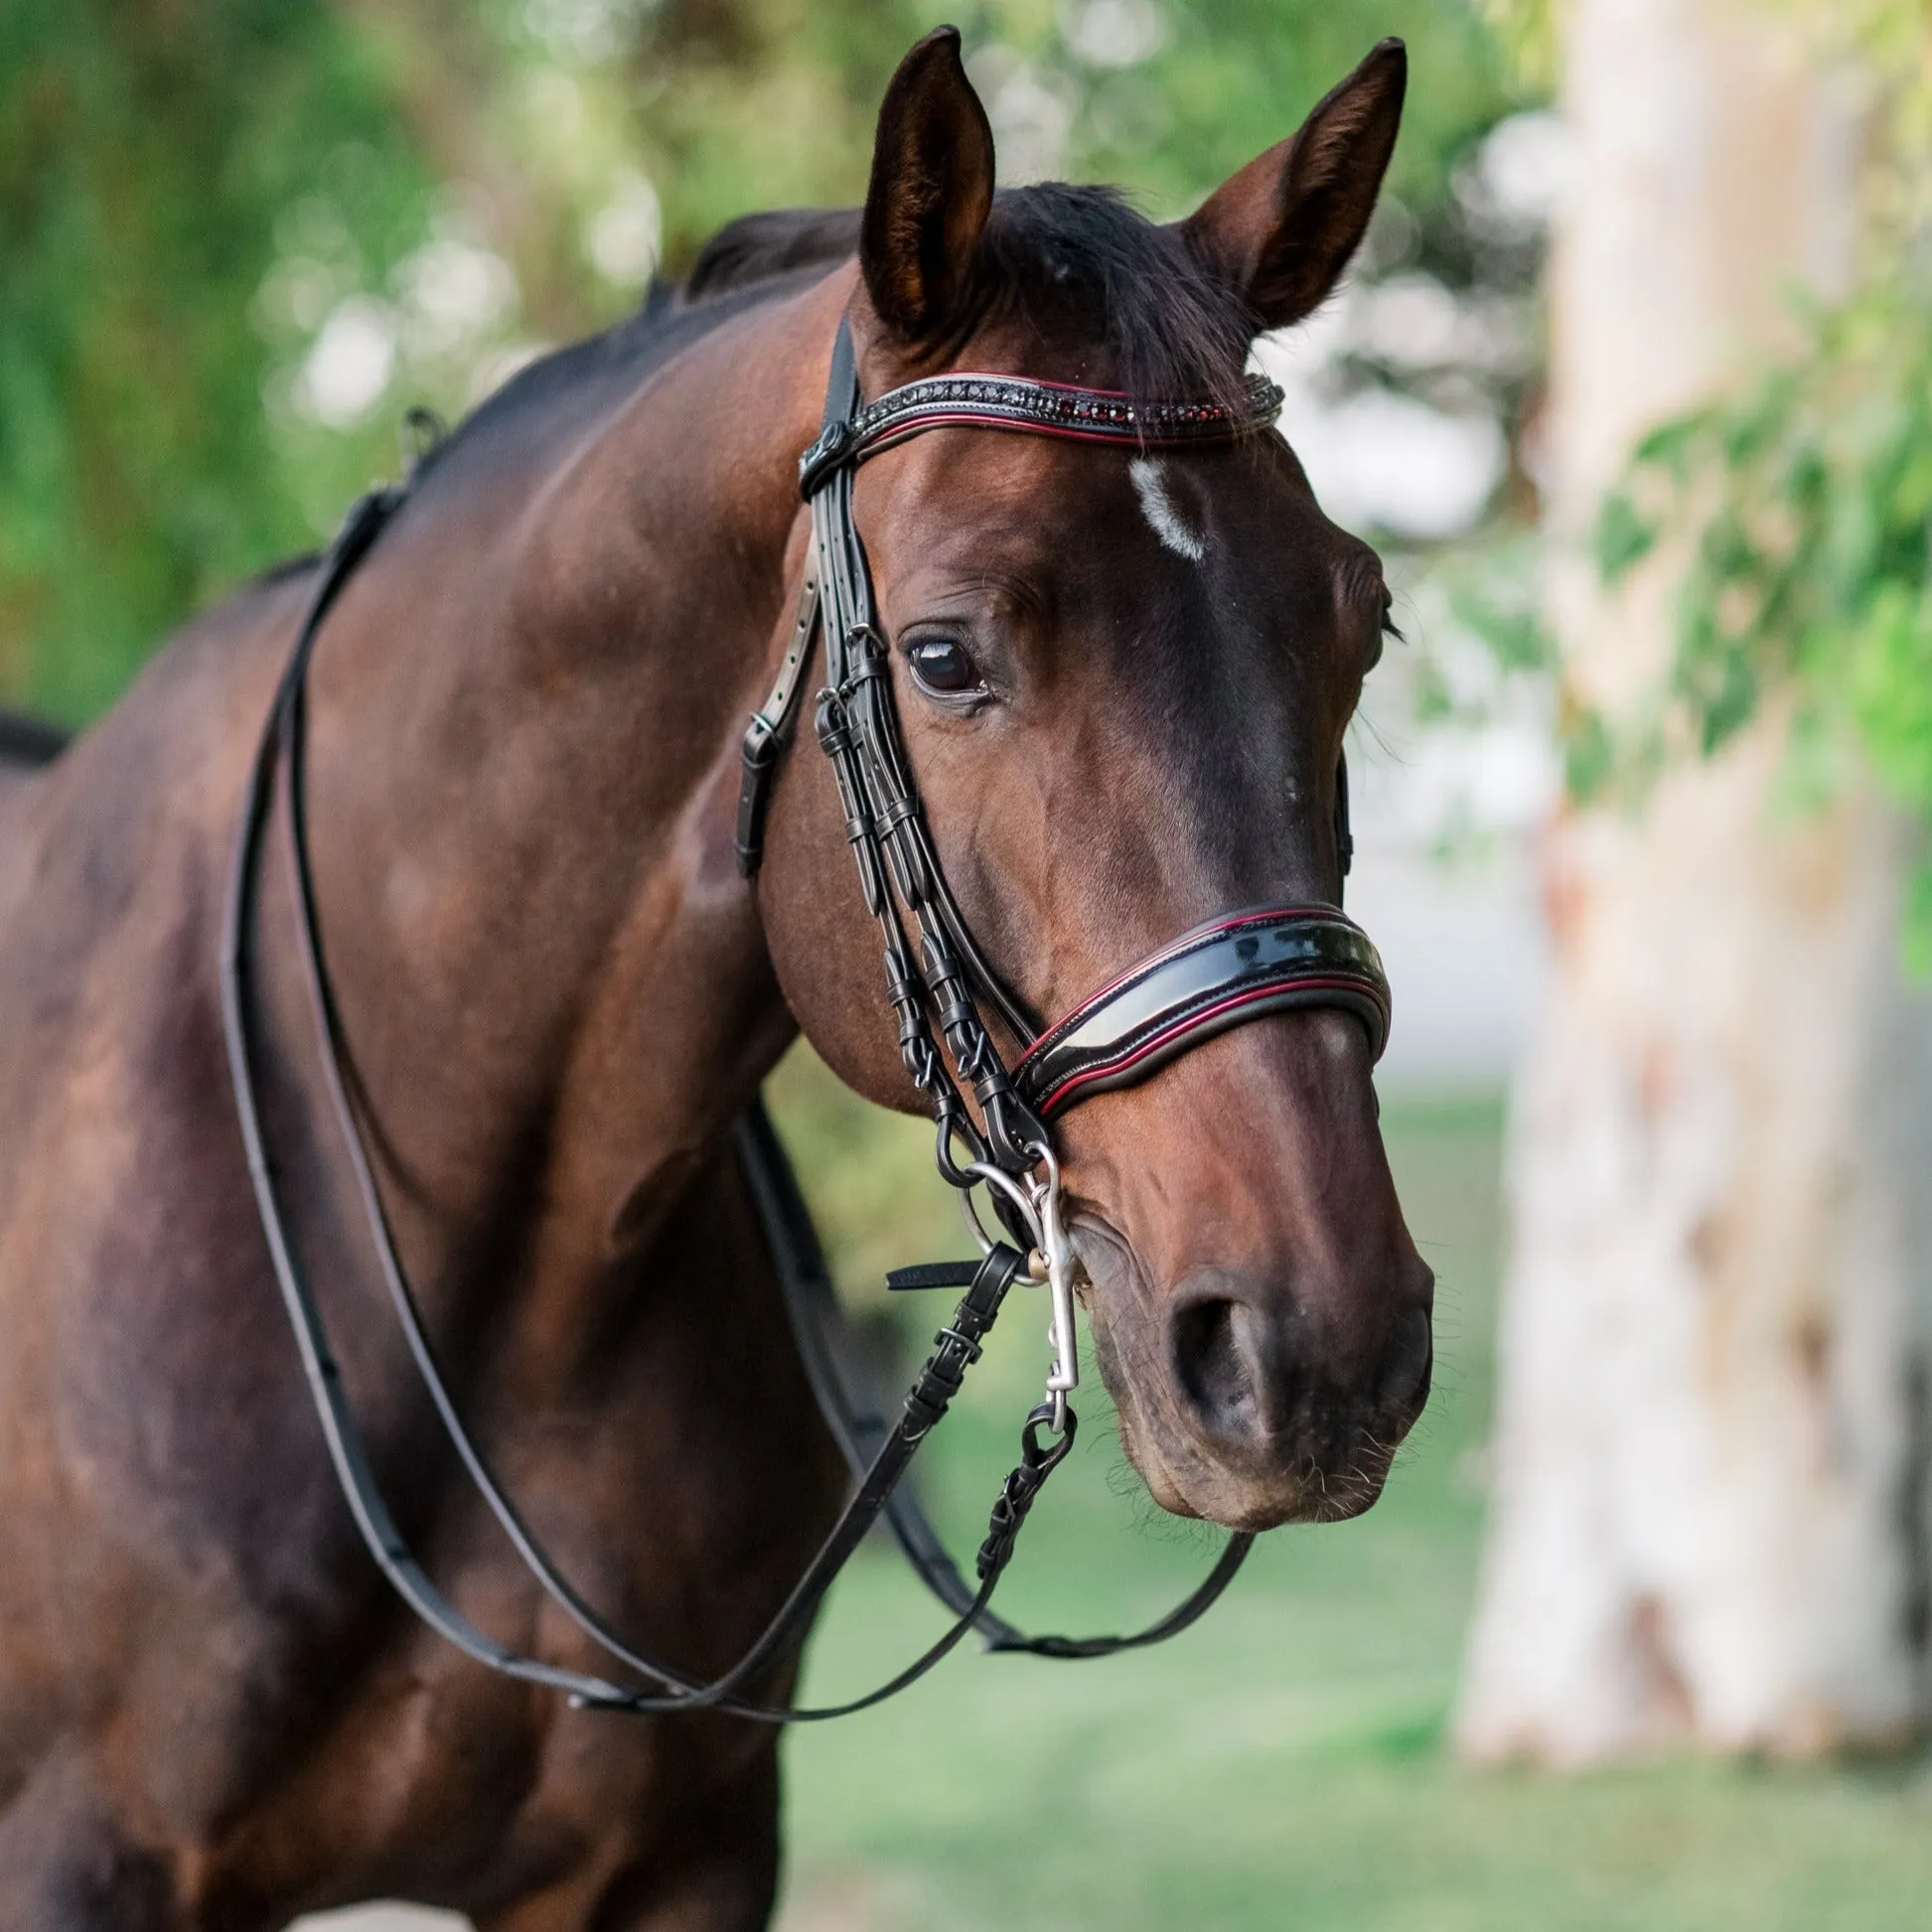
(1641, 811)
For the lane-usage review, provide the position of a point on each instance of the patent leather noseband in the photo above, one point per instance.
(1219, 976)
(1247, 963)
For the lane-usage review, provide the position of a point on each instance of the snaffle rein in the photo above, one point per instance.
(1232, 970)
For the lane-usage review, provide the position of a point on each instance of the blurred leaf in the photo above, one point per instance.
(1513, 630)
(1623, 538)
(1589, 752)
(1669, 445)
(1805, 502)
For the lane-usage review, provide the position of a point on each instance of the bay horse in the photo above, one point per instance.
(1124, 685)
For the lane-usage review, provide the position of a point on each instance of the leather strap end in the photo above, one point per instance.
(933, 1274)
(757, 755)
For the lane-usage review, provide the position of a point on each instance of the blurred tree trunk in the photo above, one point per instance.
(1709, 1522)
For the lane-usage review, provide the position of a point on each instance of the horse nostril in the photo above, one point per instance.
(1412, 1352)
(1213, 1368)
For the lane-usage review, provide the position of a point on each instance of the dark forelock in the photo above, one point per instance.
(1138, 289)
(1070, 258)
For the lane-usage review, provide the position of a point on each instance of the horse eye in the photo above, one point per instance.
(1385, 628)
(943, 666)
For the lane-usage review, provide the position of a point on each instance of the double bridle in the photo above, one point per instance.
(1234, 968)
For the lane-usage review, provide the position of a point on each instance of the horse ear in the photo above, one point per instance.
(930, 192)
(1282, 229)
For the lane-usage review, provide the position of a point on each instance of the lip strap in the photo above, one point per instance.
(1221, 974)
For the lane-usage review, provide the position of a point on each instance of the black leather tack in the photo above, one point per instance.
(1309, 950)
(932, 1274)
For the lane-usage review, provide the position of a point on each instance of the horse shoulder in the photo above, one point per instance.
(122, 1212)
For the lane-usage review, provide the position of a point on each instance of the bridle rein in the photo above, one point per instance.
(1232, 970)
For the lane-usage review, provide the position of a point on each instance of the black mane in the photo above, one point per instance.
(1082, 262)
(1083, 256)
(756, 248)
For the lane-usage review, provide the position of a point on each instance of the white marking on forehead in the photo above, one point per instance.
(1158, 507)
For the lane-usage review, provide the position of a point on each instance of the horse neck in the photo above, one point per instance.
(523, 778)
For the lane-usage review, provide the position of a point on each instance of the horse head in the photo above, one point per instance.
(1123, 680)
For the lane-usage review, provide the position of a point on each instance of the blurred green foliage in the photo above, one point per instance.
(773, 100)
(147, 153)
(1807, 502)
(200, 198)
(1802, 503)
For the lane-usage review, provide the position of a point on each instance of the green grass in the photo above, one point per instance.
(1282, 1764)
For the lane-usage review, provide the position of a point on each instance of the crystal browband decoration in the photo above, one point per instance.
(1054, 405)
(1052, 409)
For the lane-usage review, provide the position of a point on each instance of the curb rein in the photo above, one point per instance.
(1219, 976)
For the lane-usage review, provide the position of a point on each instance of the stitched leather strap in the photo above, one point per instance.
(1219, 976)
(281, 749)
(770, 729)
